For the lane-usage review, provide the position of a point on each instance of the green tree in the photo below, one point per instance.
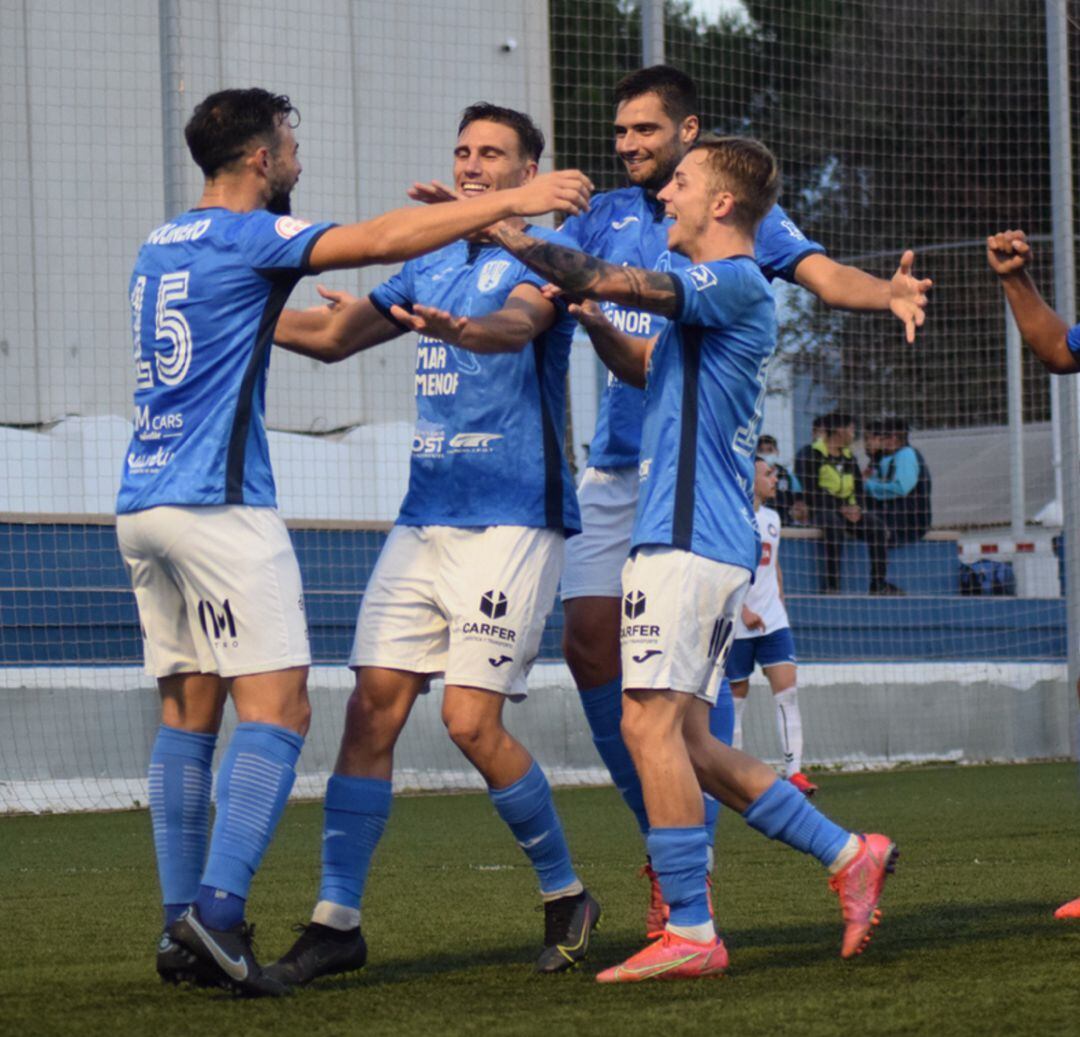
(920, 124)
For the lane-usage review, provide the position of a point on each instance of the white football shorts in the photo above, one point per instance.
(218, 589)
(678, 620)
(469, 603)
(595, 557)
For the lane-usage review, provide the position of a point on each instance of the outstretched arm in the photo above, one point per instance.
(525, 315)
(1009, 254)
(406, 233)
(332, 333)
(849, 288)
(588, 277)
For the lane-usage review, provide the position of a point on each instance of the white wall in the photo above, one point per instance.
(83, 163)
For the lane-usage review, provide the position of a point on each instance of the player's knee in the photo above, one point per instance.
(591, 650)
(299, 715)
(635, 728)
(470, 732)
(369, 720)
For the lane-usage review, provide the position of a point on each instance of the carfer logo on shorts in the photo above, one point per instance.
(221, 623)
(633, 604)
(493, 604)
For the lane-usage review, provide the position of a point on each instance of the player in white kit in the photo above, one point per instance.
(763, 636)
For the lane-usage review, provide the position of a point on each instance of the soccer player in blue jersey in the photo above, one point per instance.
(695, 544)
(215, 578)
(469, 572)
(656, 120)
(1052, 340)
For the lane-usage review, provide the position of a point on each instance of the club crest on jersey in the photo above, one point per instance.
(773, 531)
(702, 277)
(491, 274)
(289, 226)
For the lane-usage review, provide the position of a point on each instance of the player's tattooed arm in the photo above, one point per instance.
(587, 276)
(525, 315)
(626, 357)
(333, 332)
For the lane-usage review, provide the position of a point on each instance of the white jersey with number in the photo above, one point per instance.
(763, 597)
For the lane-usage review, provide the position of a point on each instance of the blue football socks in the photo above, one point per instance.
(253, 786)
(180, 782)
(680, 858)
(355, 813)
(783, 812)
(528, 809)
(603, 711)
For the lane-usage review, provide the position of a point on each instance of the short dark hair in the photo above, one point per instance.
(887, 426)
(838, 419)
(747, 169)
(677, 91)
(528, 133)
(224, 124)
(766, 440)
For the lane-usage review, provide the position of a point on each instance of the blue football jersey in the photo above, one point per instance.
(1072, 340)
(628, 227)
(703, 402)
(488, 449)
(205, 295)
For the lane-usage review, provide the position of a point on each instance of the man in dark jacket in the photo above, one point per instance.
(897, 480)
(832, 487)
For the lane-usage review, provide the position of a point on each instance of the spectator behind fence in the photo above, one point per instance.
(787, 501)
(833, 490)
(897, 480)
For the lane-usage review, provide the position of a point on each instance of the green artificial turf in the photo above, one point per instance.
(968, 945)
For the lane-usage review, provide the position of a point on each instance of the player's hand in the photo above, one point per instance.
(432, 193)
(751, 620)
(907, 295)
(1008, 252)
(553, 293)
(587, 313)
(566, 190)
(433, 322)
(335, 298)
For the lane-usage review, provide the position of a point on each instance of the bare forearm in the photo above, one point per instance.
(590, 277)
(406, 233)
(502, 332)
(330, 335)
(624, 356)
(843, 287)
(1041, 328)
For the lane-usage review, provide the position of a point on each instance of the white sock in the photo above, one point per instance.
(846, 855)
(704, 933)
(572, 890)
(736, 738)
(336, 916)
(789, 726)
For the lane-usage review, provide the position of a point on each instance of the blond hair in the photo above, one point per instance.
(748, 169)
